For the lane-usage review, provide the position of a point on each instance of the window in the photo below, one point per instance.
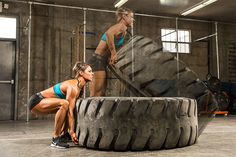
(169, 40)
(7, 27)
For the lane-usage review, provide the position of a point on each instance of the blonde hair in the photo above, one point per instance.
(122, 11)
(79, 67)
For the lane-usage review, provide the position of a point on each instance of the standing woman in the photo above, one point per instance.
(105, 53)
(60, 99)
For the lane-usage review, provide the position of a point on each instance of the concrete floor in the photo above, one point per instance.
(21, 139)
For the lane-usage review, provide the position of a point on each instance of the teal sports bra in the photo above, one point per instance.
(58, 92)
(117, 41)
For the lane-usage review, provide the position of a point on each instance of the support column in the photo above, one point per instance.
(217, 51)
(29, 60)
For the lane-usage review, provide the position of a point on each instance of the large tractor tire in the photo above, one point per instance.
(149, 72)
(215, 86)
(136, 123)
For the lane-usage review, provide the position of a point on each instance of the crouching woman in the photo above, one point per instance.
(60, 100)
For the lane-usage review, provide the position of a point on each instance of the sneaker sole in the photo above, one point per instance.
(56, 146)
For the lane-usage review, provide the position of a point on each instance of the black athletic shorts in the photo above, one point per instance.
(98, 63)
(34, 100)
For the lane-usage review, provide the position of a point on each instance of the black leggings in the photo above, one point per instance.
(98, 63)
(34, 100)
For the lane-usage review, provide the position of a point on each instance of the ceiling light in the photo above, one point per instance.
(198, 6)
(209, 2)
(120, 3)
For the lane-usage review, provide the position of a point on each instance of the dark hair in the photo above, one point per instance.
(122, 11)
(79, 67)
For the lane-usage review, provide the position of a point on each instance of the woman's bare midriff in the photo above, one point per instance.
(101, 48)
(48, 93)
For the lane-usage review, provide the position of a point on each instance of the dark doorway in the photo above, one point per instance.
(7, 79)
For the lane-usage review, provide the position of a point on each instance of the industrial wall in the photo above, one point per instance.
(57, 42)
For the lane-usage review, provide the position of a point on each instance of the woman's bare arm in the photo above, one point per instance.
(110, 33)
(71, 98)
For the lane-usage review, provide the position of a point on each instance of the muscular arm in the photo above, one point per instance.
(110, 41)
(71, 98)
(110, 33)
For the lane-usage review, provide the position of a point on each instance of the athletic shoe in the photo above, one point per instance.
(66, 137)
(58, 143)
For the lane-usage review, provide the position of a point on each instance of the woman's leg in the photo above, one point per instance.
(98, 85)
(53, 105)
(65, 126)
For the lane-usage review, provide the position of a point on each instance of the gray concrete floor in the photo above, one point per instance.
(21, 139)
